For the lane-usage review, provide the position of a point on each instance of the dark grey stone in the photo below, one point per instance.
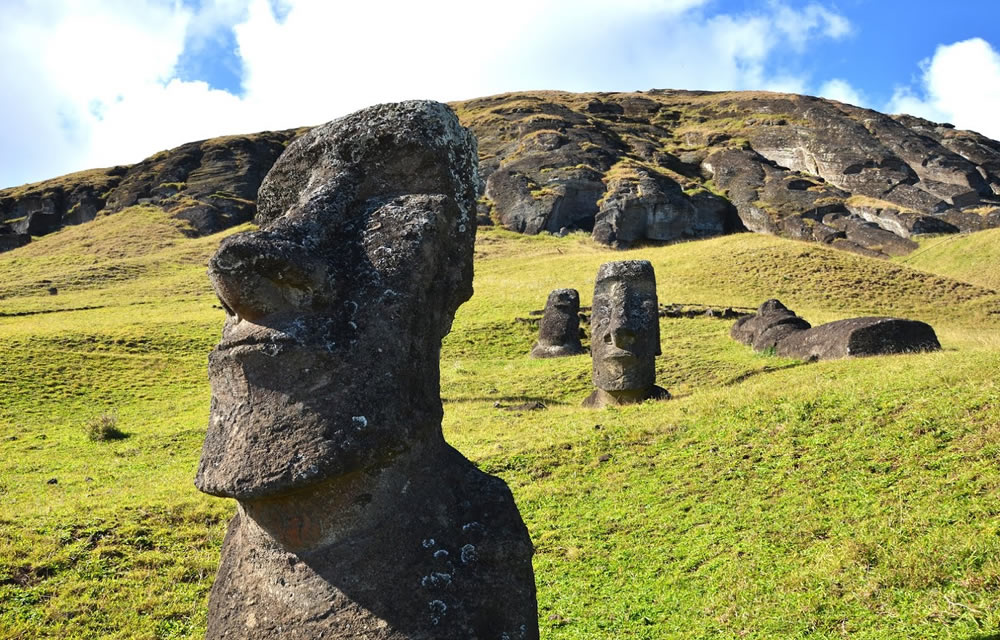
(559, 330)
(624, 334)
(356, 519)
(776, 328)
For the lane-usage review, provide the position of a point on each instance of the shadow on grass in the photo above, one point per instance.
(503, 400)
(992, 636)
(749, 374)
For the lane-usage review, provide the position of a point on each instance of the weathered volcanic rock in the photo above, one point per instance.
(639, 205)
(212, 184)
(652, 166)
(871, 336)
(10, 239)
(356, 519)
(774, 327)
(41, 208)
(784, 162)
(559, 330)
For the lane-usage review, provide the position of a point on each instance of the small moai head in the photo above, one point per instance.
(624, 326)
(336, 307)
(559, 330)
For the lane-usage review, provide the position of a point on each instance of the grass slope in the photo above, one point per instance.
(970, 257)
(769, 499)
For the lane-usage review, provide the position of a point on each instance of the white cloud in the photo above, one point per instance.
(92, 86)
(960, 84)
(98, 86)
(800, 26)
(841, 90)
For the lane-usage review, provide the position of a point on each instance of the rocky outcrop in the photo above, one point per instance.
(11, 239)
(44, 207)
(777, 329)
(654, 166)
(663, 165)
(211, 183)
(641, 205)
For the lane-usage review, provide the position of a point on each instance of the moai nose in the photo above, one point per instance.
(622, 337)
(257, 274)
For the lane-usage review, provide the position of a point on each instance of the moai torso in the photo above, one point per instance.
(356, 519)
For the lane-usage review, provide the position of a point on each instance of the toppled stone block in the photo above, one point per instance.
(856, 337)
(355, 518)
(776, 328)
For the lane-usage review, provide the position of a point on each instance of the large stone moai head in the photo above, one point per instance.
(624, 334)
(337, 306)
(559, 330)
(355, 519)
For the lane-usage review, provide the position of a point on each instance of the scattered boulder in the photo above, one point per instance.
(776, 328)
(559, 330)
(625, 335)
(356, 519)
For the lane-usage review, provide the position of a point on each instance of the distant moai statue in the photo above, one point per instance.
(559, 330)
(355, 518)
(625, 335)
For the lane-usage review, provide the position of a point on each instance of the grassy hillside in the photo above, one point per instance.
(769, 499)
(971, 258)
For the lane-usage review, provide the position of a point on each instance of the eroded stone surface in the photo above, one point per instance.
(624, 334)
(559, 330)
(356, 519)
(776, 328)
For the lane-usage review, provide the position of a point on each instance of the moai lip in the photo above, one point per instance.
(355, 518)
(625, 334)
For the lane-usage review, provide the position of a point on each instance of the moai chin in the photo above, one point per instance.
(559, 330)
(624, 335)
(355, 518)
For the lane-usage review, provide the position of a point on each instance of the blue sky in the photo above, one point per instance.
(92, 83)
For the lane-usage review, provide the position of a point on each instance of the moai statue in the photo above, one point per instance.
(777, 329)
(625, 335)
(355, 518)
(559, 330)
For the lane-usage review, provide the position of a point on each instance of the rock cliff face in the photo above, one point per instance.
(211, 183)
(654, 166)
(665, 165)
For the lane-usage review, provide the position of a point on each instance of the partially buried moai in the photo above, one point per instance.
(559, 330)
(355, 518)
(625, 335)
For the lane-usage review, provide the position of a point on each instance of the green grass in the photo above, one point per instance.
(769, 499)
(970, 257)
